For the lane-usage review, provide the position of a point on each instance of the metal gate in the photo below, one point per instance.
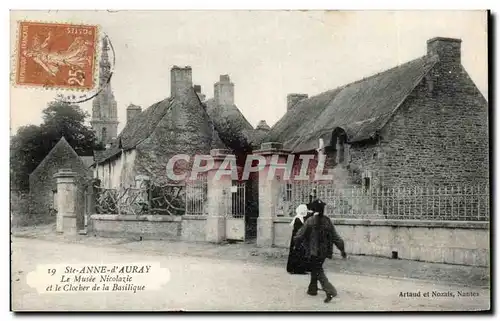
(235, 211)
(196, 196)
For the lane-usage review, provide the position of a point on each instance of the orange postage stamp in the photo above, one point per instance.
(56, 55)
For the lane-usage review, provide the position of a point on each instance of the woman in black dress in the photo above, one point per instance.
(297, 261)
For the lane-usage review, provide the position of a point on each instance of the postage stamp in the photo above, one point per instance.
(56, 55)
(106, 57)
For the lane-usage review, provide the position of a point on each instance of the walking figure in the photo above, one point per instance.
(297, 261)
(319, 235)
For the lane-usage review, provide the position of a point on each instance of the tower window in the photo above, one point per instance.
(103, 136)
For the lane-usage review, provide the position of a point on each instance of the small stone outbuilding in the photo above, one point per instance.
(43, 189)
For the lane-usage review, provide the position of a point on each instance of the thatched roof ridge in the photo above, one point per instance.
(144, 124)
(229, 118)
(360, 108)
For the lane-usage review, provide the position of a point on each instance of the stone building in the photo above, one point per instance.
(104, 120)
(43, 184)
(176, 125)
(422, 123)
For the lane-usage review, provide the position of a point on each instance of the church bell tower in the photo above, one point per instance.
(104, 115)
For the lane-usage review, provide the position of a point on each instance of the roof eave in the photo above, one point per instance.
(111, 157)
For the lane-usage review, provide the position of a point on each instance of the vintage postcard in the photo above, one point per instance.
(250, 161)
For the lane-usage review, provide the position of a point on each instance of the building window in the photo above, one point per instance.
(103, 135)
(366, 183)
(288, 197)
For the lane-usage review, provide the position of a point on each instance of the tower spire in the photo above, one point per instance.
(104, 114)
(104, 64)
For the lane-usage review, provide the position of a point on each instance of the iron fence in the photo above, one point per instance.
(458, 203)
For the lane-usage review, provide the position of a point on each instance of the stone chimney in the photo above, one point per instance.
(181, 79)
(263, 126)
(224, 91)
(293, 99)
(197, 89)
(447, 49)
(133, 111)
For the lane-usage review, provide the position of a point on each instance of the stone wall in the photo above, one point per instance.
(193, 228)
(365, 159)
(20, 210)
(466, 243)
(155, 227)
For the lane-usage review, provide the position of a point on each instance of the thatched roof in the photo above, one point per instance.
(145, 123)
(260, 133)
(229, 119)
(290, 127)
(360, 108)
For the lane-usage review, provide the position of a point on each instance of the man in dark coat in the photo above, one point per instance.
(319, 235)
(316, 205)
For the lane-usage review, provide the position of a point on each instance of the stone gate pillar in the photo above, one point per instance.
(218, 197)
(269, 190)
(66, 201)
(91, 191)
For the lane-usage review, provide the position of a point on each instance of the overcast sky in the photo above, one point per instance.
(267, 54)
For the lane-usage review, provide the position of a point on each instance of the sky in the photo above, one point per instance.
(267, 54)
